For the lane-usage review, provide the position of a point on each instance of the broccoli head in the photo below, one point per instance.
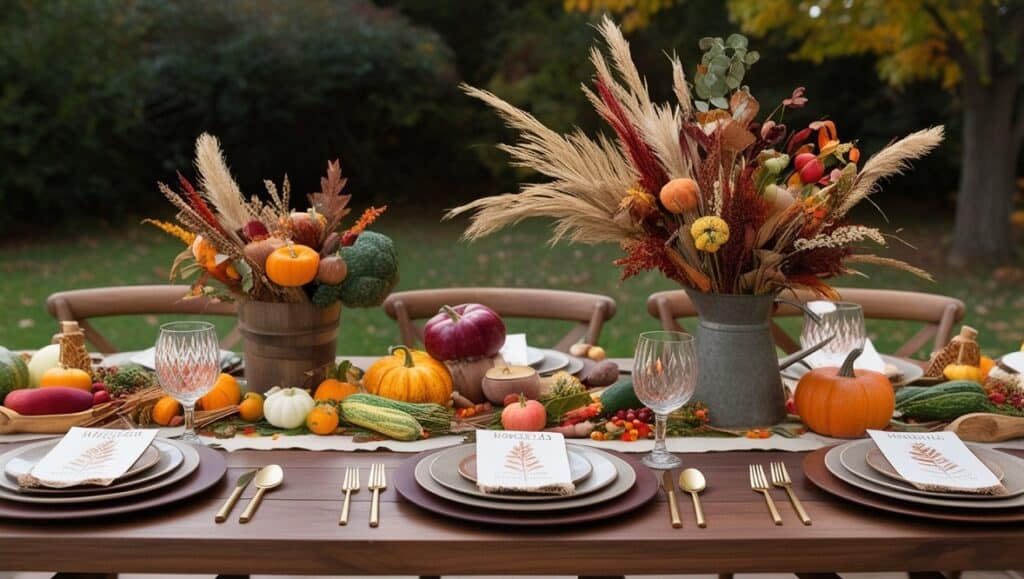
(372, 273)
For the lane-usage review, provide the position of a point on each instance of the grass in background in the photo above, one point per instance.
(432, 256)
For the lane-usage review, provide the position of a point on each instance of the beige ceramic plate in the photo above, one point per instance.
(602, 474)
(168, 459)
(23, 463)
(625, 478)
(552, 362)
(854, 475)
(876, 460)
(185, 457)
(579, 467)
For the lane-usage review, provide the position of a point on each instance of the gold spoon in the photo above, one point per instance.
(268, 477)
(691, 480)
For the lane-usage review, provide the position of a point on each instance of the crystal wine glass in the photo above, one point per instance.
(842, 320)
(187, 365)
(664, 378)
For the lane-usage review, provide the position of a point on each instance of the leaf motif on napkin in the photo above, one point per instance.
(94, 457)
(521, 459)
(934, 460)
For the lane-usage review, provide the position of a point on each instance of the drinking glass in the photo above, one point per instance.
(842, 320)
(664, 378)
(187, 365)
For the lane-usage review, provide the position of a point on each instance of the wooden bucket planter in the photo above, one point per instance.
(287, 344)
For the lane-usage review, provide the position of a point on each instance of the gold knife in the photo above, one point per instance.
(673, 507)
(243, 481)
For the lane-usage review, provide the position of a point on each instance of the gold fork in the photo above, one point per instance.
(377, 483)
(349, 485)
(759, 483)
(780, 478)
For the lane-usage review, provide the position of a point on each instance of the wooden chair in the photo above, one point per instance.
(938, 314)
(81, 305)
(589, 311)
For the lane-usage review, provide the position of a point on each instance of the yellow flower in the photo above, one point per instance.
(187, 237)
(709, 233)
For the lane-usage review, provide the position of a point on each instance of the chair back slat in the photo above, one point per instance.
(82, 305)
(938, 313)
(589, 311)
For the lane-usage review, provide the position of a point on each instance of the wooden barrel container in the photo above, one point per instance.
(287, 344)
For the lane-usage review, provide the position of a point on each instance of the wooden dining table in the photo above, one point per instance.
(296, 531)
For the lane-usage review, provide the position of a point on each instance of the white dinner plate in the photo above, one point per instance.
(22, 464)
(906, 372)
(553, 361)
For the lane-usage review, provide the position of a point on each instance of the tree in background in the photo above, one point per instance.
(971, 46)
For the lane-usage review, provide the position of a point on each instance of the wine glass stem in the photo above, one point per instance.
(190, 418)
(660, 426)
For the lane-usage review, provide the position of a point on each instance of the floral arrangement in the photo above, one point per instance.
(264, 251)
(700, 190)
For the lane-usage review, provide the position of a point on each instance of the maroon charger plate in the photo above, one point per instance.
(816, 472)
(211, 469)
(643, 490)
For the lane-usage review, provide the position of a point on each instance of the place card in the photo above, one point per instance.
(936, 461)
(524, 462)
(97, 456)
(514, 350)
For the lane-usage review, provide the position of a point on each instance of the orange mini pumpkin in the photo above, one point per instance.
(679, 195)
(67, 377)
(322, 419)
(334, 389)
(293, 265)
(843, 402)
(251, 407)
(225, 392)
(165, 410)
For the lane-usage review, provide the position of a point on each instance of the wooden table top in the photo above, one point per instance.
(296, 532)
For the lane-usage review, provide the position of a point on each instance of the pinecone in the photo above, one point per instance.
(962, 349)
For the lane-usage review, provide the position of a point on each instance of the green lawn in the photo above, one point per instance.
(432, 256)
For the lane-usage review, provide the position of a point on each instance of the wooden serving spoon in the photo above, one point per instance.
(986, 427)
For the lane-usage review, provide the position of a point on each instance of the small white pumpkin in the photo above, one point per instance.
(45, 358)
(288, 408)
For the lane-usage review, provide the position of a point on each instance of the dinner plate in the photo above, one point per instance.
(579, 467)
(189, 463)
(534, 356)
(23, 463)
(210, 471)
(629, 503)
(907, 372)
(624, 480)
(836, 468)
(604, 473)
(168, 455)
(575, 365)
(854, 457)
(553, 361)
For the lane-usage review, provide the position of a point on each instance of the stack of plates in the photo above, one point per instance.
(606, 485)
(546, 361)
(858, 471)
(168, 470)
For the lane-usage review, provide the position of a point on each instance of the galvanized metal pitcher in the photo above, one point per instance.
(738, 368)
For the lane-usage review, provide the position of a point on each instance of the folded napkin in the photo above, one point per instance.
(522, 462)
(868, 360)
(937, 461)
(96, 456)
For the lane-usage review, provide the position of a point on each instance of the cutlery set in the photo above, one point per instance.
(272, 476)
(691, 481)
(780, 478)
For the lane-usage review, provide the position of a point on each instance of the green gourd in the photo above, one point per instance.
(389, 422)
(435, 418)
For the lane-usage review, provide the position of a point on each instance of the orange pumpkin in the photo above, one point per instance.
(225, 392)
(292, 265)
(986, 366)
(67, 377)
(251, 407)
(844, 402)
(334, 389)
(410, 376)
(679, 195)
(322, 419)
(165, 410)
